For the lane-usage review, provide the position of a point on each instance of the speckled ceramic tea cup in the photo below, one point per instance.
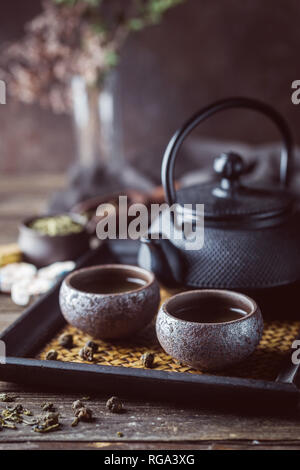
(209, 329)
(109, 301)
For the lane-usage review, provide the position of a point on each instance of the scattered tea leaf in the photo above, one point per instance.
(51, 355)
(4, 397)
(66, 341)
(47, 423)
(148, 360)
(91, 344)
(77, 404)
(86, 353)
(47, 406)
(114, 405)
(84, 414)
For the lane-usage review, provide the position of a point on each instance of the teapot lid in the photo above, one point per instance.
(229, 199)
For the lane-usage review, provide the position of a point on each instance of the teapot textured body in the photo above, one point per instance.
(251, 233)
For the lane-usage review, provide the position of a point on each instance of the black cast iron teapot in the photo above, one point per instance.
(251, 234)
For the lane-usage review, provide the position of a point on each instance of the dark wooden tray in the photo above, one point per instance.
(41, 321)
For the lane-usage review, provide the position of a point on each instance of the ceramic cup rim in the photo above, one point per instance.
(214, 293)
(150, 278)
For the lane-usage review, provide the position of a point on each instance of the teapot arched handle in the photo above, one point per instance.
(167, 172)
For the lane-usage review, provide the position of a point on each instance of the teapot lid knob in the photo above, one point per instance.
(229, 166)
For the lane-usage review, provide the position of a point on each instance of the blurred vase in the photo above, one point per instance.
(97, 123)
(100, 167)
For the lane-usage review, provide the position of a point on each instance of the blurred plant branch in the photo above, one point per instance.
(72, 37)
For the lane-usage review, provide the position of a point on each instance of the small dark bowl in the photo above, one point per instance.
(109, 315)
(209, 346)
(42, 250)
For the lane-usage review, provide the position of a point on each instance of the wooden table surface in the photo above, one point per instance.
(144, 425)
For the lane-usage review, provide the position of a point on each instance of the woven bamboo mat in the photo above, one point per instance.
(265, 363)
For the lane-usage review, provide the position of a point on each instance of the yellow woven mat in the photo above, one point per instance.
(265, 363)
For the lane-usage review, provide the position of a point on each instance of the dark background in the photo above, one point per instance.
(204, 50)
